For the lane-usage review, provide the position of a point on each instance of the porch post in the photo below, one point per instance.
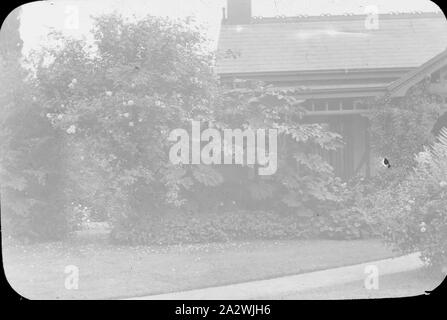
(367, 149)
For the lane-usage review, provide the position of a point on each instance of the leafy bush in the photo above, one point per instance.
(239, 225)
(413, 216)
(400, 128)
(349, 223)
(303, 181)
(348, 218)
(214, 227)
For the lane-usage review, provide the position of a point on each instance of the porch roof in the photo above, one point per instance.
(401, 86)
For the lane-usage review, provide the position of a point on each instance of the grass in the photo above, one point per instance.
(404, 284)
(107, 271)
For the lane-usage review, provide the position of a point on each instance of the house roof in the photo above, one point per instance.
(317, 43)
(401, 86)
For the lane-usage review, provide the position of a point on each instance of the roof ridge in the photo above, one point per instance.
(346, 16)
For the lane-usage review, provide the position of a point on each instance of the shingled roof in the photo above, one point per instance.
(318, 43)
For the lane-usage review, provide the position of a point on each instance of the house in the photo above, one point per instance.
(337, 61)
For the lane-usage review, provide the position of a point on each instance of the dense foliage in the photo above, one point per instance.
(405, 204)
(117, 106)
(223, 202)
(85, 136)
(413, 215)
(400, 128)
(304, 180)
(89, 133)
(31, 152)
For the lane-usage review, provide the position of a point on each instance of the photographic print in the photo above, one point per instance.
(223, 150)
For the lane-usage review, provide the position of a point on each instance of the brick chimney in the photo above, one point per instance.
(238, 11)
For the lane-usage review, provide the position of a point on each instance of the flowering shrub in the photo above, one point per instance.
(413, 216)
(115, 104)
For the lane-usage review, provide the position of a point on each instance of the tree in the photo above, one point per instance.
(32, 201)
(116, 102)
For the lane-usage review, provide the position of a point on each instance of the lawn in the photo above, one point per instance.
(107, 271)
(404, 284)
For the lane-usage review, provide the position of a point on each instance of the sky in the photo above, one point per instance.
(38, 18)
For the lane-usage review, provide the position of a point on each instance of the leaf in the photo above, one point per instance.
(314, 162)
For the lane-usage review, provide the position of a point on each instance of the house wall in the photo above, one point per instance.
(353, 158)
(333, 100)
